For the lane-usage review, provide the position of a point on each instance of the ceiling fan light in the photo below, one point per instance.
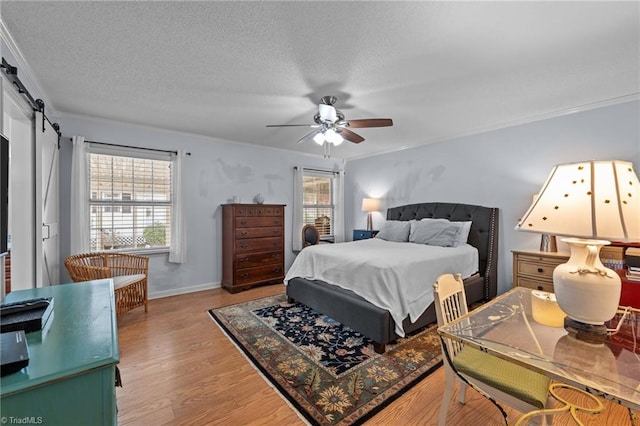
(319, 138)
(333, 137)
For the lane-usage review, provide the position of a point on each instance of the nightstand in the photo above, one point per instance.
(534, 269)
(363, 234)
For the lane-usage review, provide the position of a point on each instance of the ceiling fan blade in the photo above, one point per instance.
(327, 113)
(349, 135)
(308, 137)
(370, 122)
(293, 125)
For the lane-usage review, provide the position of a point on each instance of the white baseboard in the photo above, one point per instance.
(182, 290)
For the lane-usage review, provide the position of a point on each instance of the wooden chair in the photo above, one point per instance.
(128, 271)
(310, 236)
(511, 384)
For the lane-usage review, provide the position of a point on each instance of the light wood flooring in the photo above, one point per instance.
(178, 368)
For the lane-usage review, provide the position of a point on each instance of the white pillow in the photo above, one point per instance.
(437, 232)
(462, 234)
(395, 230)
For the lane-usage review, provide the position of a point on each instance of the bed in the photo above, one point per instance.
(377, 323)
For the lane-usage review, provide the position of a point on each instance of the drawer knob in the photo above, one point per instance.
(243, 222)
(540, 270)
(244, 245)
(243, 233)
(244, 275)
(540, 288)
(276, 243)
(244, 259)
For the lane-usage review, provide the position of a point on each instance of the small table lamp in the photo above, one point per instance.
(591, 201)
(370, 205)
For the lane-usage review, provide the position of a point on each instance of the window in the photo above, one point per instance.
(319, 202)
(130, 199)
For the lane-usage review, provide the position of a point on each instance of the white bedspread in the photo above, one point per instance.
(394, 276)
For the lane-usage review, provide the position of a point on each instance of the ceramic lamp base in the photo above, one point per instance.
(586, 332)
(586, 290)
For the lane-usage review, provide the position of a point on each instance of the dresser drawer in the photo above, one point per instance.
(259, 210)
(551, 260)
(534, 284)
(540, 269)
(259, 244)
(258, 221)
(259, 259)
(261, 273)
(265, 231)
(534, 269)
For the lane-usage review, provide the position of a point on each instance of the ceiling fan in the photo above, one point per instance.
(332, 128)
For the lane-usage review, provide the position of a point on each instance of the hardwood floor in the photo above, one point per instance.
(178, 368)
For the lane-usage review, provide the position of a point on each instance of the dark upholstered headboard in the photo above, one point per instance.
(483, 234)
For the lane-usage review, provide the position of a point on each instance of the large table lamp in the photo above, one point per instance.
(590, 203)
(370, 205)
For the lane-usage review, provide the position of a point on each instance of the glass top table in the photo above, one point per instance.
(505, 327)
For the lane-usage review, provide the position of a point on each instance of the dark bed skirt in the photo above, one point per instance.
(353, 311)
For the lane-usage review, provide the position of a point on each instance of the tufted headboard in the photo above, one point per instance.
(483, 234)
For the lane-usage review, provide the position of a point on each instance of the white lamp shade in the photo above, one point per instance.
(370, 204)
(333, 137)
(591, 199)
(319, 138)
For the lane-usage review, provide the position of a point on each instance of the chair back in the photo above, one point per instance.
(87, 267)
(451, 303)
(310, 236)
(128, 271)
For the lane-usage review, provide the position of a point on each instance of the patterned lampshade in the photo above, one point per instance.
(591, 199)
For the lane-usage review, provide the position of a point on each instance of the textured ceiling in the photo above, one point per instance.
(227, 69)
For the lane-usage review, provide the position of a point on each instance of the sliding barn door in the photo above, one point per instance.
(46, 202)
(17, 126)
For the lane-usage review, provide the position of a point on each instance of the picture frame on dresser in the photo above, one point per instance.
(252, 245)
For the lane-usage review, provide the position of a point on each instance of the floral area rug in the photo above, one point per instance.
(327, 371)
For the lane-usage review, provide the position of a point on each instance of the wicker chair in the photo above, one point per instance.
(128, 271)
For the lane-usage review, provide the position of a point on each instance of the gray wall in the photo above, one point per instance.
(215, 171)
(501, 168)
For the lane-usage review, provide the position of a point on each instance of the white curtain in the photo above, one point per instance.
(79, 200)
(178, 250)
(338, 220)
(296, 230)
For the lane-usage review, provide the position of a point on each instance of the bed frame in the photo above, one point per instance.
(376, 323)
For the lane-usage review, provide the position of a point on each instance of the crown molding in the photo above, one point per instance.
(504, 125)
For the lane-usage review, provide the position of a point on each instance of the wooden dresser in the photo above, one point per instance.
(252, 245)
(534, 268)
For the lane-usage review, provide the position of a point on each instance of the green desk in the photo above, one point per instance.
(72, 362)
